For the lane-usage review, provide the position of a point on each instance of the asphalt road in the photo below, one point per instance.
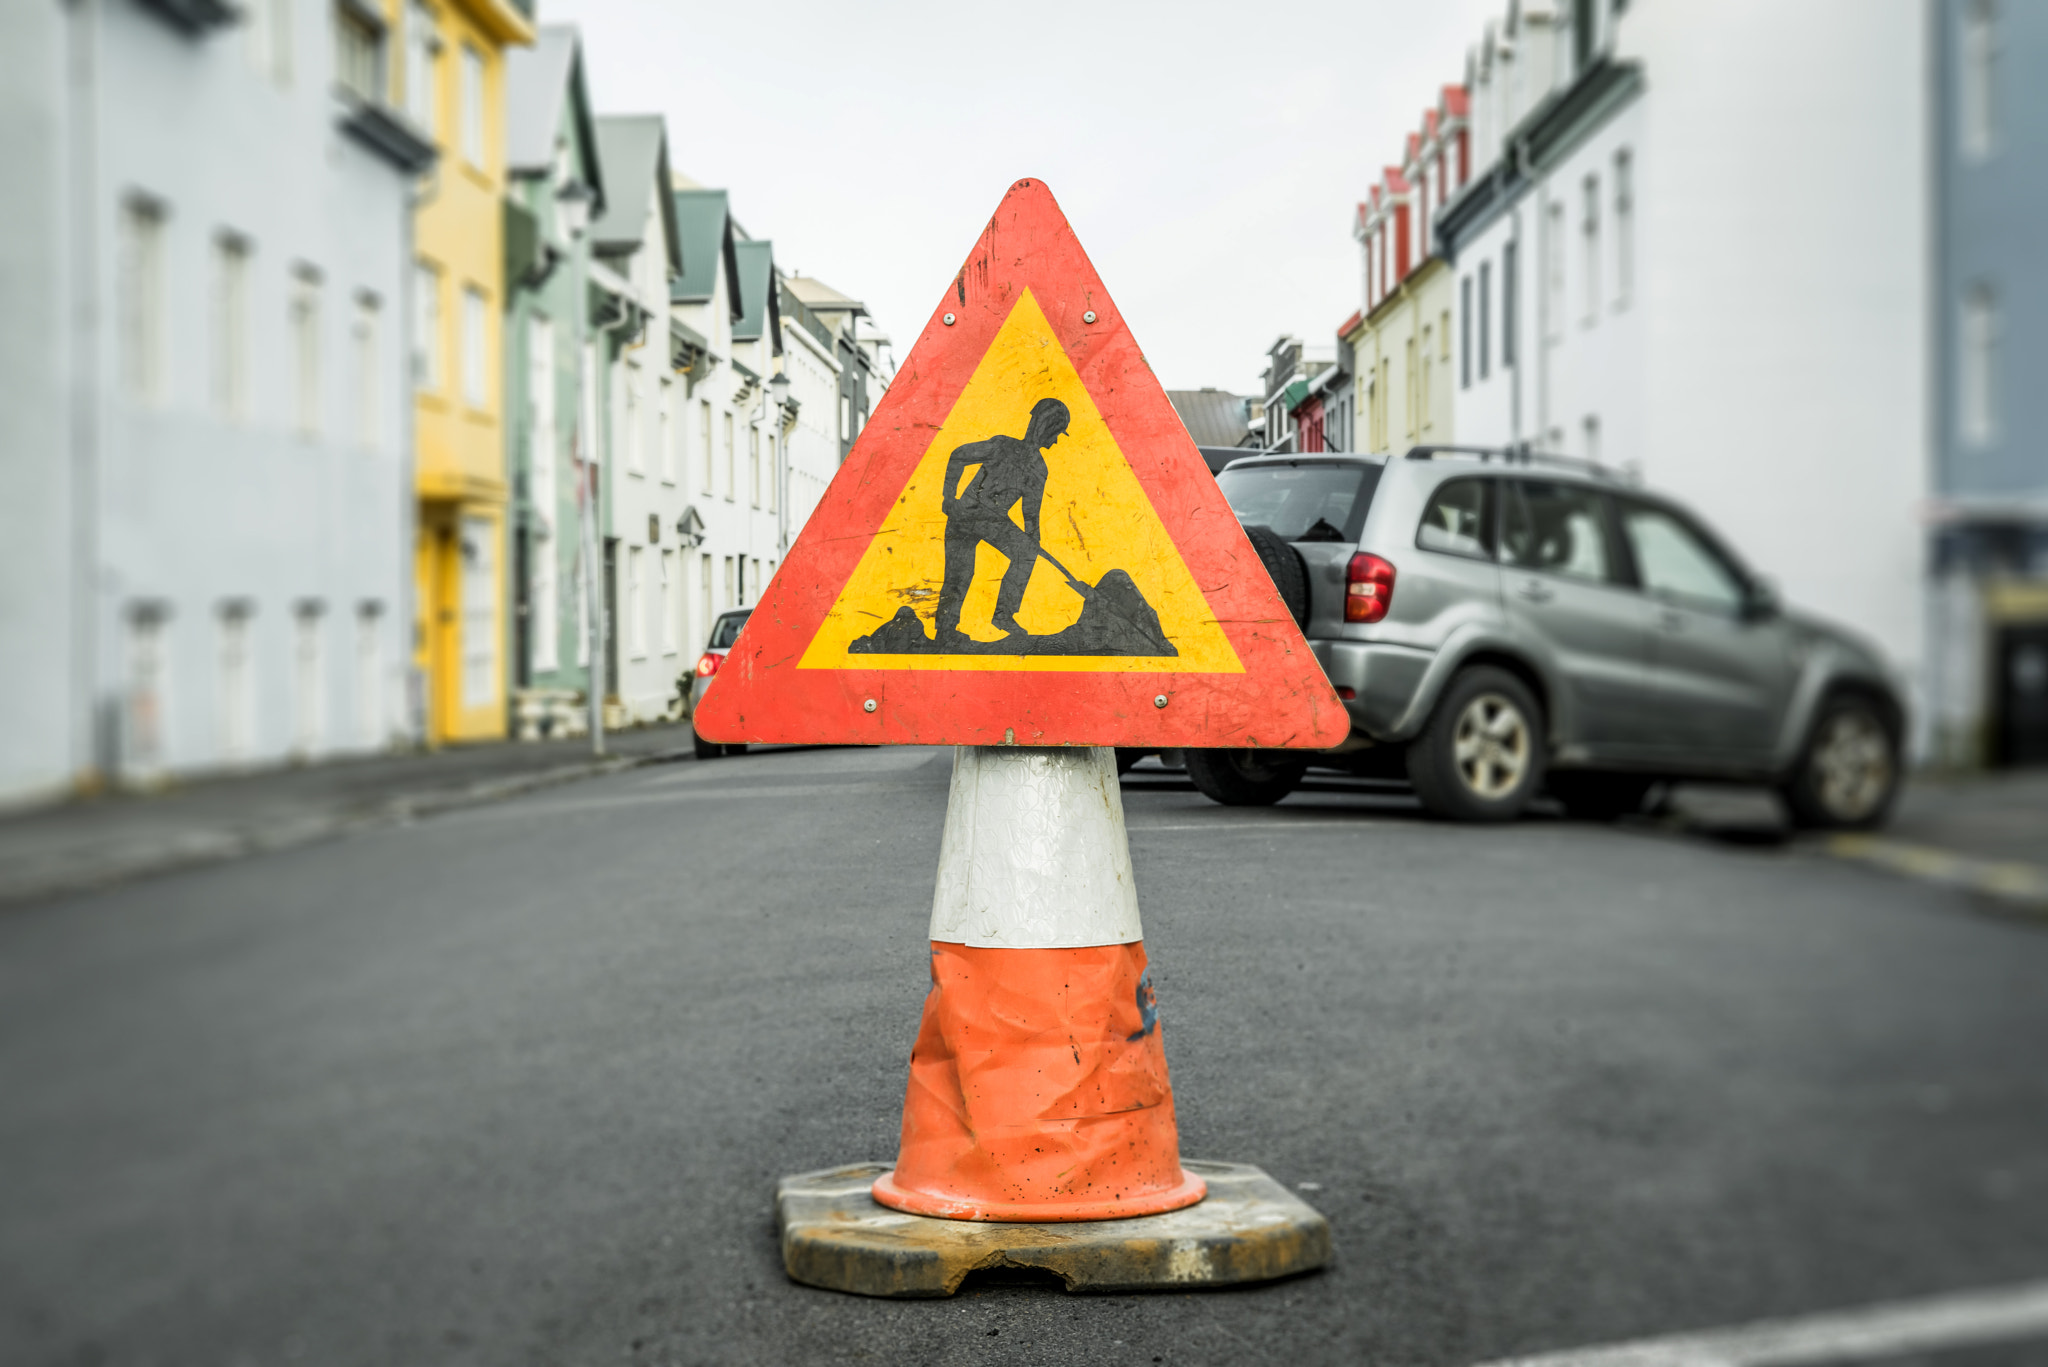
(514, 1085)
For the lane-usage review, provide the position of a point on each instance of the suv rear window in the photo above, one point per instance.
(1307, 502)
(727, 630)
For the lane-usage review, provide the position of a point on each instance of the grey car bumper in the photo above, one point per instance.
(1383, 680)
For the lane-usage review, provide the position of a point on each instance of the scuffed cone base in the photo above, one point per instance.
(1250, 1229)
(1038, 1091)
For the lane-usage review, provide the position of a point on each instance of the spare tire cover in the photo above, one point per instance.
(1284, 567)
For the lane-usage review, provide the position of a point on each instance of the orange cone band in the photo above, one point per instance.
(1038, 1084)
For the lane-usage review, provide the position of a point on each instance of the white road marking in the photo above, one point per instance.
(1360, 823)
(1938, 1322)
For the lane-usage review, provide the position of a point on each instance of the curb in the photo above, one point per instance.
(2016, 886)
(195, 849)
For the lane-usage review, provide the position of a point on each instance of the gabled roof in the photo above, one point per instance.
(1213, 417)
(759, 309)
(821, 297)
(539, 81)
(704, 220)
(634, 151)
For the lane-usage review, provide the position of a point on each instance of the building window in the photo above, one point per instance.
(1624, 227)
(671, 604)
(1592, 431)
(142, 298)
(358, 53)
(636, 601)
(1977, 381)
(422, 68)
(368, 318)
(309, 693)
(472, 130)
(774, 470)
(231, 326)
(1410, 378)
(1424, 384)
(541, 437)
(754, 463)
(1977, 81)
(148, 692)
(732, 488)
(475, 371)
(270, 39)
(704, 443)
(1486, 317)
(479, 544)
(727, 596)
(305, 335)
(1509, 309)
(370, 674)
(237, 686)
(704, 596)
(544, 625)
(1589, 234)
(1553, 275)
(1465, 333)
(666, 440)
(426, 327)
(636, 455)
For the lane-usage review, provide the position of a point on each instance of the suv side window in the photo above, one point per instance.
(1674, 561)
(1459, 519)
(1557, 529)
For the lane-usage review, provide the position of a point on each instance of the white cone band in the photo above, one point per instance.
(1034, 854)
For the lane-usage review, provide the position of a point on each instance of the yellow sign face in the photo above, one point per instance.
(1023, 541)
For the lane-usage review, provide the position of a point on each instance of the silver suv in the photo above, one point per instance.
(1500, 624)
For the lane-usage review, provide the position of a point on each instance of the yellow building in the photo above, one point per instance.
(452, 69)
(1402, 342)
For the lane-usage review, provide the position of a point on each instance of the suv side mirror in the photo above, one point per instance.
(1763, 602)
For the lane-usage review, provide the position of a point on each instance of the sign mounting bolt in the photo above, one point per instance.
(1089, 316)
(1159, 701)
(868, 706)
(949, 320)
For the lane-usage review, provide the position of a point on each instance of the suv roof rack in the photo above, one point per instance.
(1520, 453)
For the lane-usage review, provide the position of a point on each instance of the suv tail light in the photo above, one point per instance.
(707, 664)
(1368, 588)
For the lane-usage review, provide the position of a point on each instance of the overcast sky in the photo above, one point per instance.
(1208, 155)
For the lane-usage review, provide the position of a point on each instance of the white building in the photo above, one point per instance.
(1647, 279)
(205, 410)
(638, 256)
(725, 300)
(810, 433)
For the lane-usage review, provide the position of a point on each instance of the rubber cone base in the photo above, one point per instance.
(1249, 1229)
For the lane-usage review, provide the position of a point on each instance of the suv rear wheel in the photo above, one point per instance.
(1245, 778)
(1848, 774)
(1480, 756)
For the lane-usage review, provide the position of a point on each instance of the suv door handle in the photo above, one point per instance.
(1536, 591)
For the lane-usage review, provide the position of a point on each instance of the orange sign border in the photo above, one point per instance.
(1281, 699)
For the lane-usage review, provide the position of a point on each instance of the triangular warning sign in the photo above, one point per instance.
(1023, 547)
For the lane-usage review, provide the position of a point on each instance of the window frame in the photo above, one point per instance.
(1620, 565)
(1489, 516)
(1746, 583)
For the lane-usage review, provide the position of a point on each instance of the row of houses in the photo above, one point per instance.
(365, 386)
(1772, 260)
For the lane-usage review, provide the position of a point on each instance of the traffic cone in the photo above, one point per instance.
(1038, 1084)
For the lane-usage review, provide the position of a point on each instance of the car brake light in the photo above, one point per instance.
(707, 665)
(1368, 588)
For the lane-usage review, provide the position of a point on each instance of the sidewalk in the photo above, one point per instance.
(95, 841)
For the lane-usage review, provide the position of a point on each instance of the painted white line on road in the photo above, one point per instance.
(1280, 825)
(1938, 1322)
